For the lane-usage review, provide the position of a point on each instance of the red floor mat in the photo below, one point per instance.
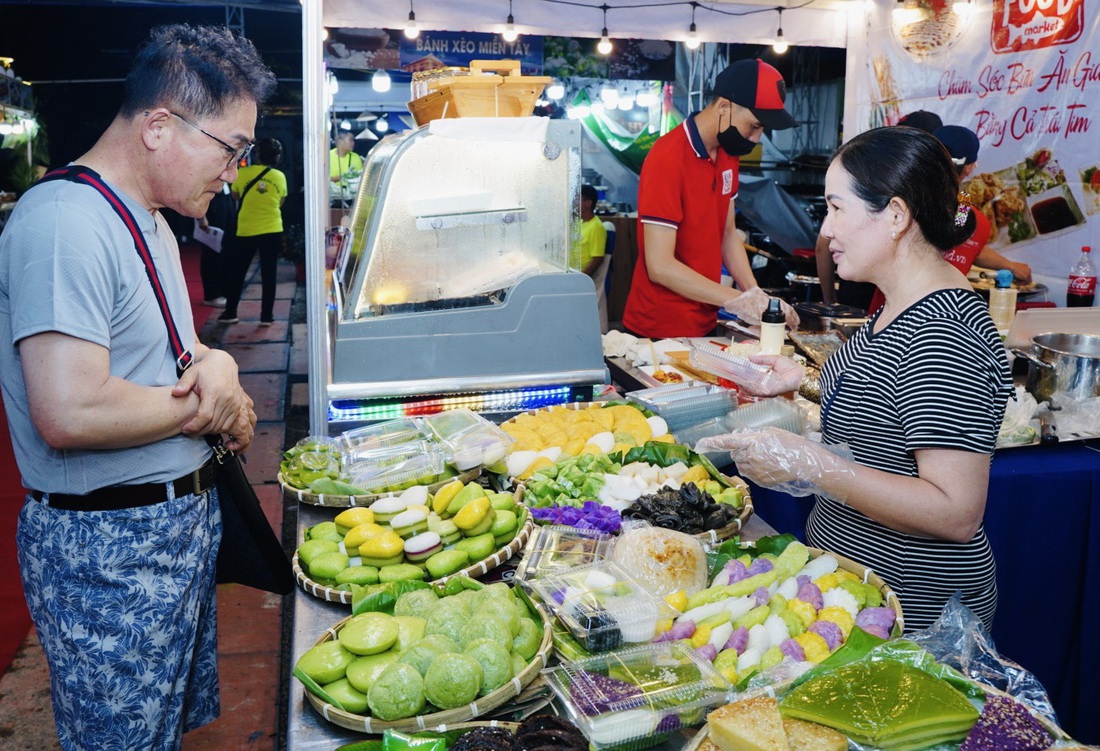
(15, 621)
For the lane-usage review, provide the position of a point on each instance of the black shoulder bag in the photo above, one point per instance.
(250, 553)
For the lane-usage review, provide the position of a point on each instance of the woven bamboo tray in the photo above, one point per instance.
(444, 719)
(292, 493)
(867, 576)
(474, 570)
(701, 741)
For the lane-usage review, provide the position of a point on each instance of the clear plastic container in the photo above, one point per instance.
(757, 379)
(691, 435)
(388, 433)
(468, 438)
(767, 413)
(681, 407)
(602, 606)
(637, 698)
(557, 549)
(397, 471)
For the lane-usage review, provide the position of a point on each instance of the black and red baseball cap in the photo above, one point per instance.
(759, 87)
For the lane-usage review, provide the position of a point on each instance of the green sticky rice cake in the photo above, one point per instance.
(884, 704)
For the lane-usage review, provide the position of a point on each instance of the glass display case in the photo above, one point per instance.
(457, 275)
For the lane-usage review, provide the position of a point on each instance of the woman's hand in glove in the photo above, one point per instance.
(783, 461)
(786, 374)
(750, 305)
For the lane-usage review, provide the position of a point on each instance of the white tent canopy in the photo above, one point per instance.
(821, 23)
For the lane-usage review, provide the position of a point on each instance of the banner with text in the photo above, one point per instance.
(438, 49)
(1024, 76)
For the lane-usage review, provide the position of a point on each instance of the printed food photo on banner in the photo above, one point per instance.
(1022, 75)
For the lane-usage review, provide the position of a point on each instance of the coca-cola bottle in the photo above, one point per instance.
(1082, 281)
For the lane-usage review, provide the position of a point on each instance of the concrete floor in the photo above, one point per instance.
(274, 365)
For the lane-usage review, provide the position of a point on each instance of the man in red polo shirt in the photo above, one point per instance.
(686, 215)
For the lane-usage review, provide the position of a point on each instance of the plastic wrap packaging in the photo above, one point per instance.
(1076, 416)
(780, 460)
(960, 639)
(1016, 428)
(666, 560)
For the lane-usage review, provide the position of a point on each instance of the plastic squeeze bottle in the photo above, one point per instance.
(1002, 301)
(772, 329)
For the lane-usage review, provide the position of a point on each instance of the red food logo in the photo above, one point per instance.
(1020, 25)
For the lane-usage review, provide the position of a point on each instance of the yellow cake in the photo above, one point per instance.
(748, 725)
(809, 736)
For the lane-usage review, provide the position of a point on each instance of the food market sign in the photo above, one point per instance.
(1021, 74)
(436, 49)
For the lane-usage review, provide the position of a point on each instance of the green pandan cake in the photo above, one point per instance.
(884, 704)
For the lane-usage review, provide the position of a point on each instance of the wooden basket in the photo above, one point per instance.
(474, 570)
(481, 95)
(292, 493)
(444, 719)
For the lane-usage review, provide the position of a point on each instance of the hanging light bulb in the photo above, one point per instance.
(604, 47)
(5, 128)
(597, 108)
(412, 31)
(626, 102)
(693, 41)
(609, 95)
(382, 124)
(345, 125)
(510, 34)
(381, 81)
(962, 9)
(582, 110)
(17, 128)
(780, 45)
(555, 91)
(904, 16)
(645, 99)
(324, 34)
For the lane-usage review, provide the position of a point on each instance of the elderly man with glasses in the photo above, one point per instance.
(109, 396)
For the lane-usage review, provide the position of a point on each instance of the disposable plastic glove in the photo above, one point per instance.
(780, 460)
(750, 305)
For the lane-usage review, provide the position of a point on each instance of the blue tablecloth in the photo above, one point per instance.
(1043, 521)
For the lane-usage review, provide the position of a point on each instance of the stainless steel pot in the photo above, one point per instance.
(1063, 362)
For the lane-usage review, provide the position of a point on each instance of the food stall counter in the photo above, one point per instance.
(306, 729)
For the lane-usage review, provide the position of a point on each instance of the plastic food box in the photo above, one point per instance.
(602, 606)
(468, 438)
(691, 435)
(419, 464)
(684, 405)
(378, 435)
(742, 371)
(637, 698)
(557, 549)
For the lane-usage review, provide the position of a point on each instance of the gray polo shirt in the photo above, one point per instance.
(68, 264)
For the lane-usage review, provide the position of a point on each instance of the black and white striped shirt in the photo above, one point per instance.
(935, 378)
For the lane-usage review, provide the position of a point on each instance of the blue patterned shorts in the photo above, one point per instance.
(123, 602)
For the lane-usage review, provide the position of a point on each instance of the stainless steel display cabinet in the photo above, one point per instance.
(457, 277)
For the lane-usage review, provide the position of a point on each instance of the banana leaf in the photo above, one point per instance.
(315, 688)
(381, 597)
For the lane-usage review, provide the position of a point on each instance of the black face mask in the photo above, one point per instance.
(733, 143)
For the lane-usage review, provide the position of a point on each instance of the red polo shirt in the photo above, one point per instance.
(680, 187)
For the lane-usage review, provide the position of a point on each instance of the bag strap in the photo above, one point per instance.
(254, 180)
(80, 174)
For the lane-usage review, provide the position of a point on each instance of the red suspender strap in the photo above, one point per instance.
(78, 174)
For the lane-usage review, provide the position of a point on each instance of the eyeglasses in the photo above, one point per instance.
(235, 154)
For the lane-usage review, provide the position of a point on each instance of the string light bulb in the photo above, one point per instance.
(609, 95)
(962, 9)
(555, 91)
(381, 81)
(604, 47)
(780, 45)
(381, 125)
(510, 34)
(412, 31)
(693, 41)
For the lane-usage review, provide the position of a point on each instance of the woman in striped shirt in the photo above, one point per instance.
(916, 396)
